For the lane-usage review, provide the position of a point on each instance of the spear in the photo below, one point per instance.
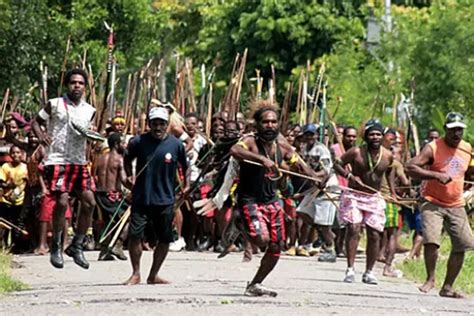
(286, 106)
(110, 44)
(44, 83)
(209, 111)
(298, 100)
(4, 103)
(321, 114)
(317, 91)
(63, 67)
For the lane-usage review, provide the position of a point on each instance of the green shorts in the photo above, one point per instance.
(391, 215)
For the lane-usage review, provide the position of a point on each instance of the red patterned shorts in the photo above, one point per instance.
(265, 221)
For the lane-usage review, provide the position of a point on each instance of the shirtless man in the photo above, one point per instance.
(258, 202)
(369, 164)
(110, 175)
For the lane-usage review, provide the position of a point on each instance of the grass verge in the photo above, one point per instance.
(7, 283)
(415, 270)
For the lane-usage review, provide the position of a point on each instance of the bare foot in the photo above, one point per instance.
(146, 246)
(425, 288)
(392, 273)
(133, 280)
(450, 292)
(381, 259)
(157, 280)
(41, 251)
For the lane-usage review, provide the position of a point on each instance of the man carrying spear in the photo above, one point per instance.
(66, 169)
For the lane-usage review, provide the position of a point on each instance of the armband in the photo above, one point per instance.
(293, 159)
(184, 136)
(43, 114)
(243, 144)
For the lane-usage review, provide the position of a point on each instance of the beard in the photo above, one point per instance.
(74, 95)
(374, 145)
(268, 135)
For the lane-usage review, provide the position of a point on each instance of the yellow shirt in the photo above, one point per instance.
(17, 175)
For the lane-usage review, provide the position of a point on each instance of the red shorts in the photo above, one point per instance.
(290, 208)
(47, 206)
(266, 221)
(68, 178)
(204, 190)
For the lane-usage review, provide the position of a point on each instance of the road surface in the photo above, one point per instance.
(204, 285)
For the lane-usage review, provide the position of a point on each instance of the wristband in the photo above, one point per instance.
(43, 114)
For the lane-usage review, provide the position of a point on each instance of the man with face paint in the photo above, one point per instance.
(369, 164)
(444, 164)
(153, 195)
(261, 209)
(66, 168)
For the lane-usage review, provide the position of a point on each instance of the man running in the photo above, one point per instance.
(158, 154)
(444, 164)
(260, 207)
(66, 169)
(362, 202)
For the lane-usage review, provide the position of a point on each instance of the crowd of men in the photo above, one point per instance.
(248, 186)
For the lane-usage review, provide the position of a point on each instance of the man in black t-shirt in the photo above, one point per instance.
(158, 155)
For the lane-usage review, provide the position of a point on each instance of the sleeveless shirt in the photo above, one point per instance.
(454, 162)
(255, 183)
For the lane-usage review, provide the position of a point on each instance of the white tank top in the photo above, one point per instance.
(68, 146)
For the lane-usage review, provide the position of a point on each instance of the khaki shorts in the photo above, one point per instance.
(455, 222)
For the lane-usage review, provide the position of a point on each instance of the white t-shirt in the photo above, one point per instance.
(198, 143)
(68, 146)
(319, 156)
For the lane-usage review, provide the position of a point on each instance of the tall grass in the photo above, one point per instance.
(415, 270)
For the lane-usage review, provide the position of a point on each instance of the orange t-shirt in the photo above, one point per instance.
(453, 162)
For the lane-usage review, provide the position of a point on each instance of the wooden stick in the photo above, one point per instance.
(24, 232)
(291, 173)
(63, 67)
(209, 111)
(4, 103)
(123, 221)
(385, 197)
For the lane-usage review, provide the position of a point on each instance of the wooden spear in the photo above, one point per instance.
(63, 67)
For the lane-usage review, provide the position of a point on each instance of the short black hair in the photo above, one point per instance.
(114, 139)
(232, 122)
(75, 71)
(348, 128)
(257, 116)
(193, 114)
(11, 149)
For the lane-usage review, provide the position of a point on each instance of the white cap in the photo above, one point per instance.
(158, 113)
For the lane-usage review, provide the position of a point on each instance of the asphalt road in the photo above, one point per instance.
(204, 285)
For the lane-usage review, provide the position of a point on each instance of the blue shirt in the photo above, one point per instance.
(156, 184)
